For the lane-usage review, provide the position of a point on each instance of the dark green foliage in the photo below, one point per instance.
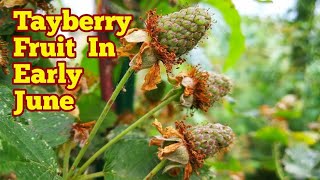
(24, 154)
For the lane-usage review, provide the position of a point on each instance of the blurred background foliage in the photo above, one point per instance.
(274, 108)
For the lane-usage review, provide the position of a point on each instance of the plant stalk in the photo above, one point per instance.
(126, 131)
(92, 176)
(100, 119)
(276, 154)
(155, 170)
(66, 158)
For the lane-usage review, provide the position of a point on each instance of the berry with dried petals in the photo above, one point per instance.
(212, 138)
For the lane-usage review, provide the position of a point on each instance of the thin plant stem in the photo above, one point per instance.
(91, 176)
(100, 119)
(276, 154)
(126, 131)
(66, 158)
(155, 170)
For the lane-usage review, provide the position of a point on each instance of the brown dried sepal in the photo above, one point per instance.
(12, 3)
(130, 42)
(167, 150)
(80, 132)
(42, 4)
(152, 78)
(168, 132)
(4, 57)
(200, 90)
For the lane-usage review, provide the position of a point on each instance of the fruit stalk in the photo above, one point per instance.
(126, 131)
(100, 120)
(155, 170)
(67, 150)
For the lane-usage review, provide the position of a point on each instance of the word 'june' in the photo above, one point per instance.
(61, 47)
(25, 74)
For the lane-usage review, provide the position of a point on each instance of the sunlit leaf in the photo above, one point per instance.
(307, 137)
(272, 134)
(236, 38)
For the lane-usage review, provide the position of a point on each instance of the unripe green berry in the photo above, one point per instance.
(188, 26)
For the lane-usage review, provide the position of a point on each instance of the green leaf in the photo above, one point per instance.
(35, 159)
(89, 64)
(236, 39)
(9, 152)
(91, 105)
(133, 158)
(130, 159)
(27, 170)
(44, 63)
(307, 137)
(6, 101)
(53, 127)
(272, 134)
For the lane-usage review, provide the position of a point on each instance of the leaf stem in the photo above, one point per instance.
(155, 170)
(100, 119)
(67, 150)
(92, 176)
(126, 131)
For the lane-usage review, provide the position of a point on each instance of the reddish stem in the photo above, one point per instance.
(106, 65)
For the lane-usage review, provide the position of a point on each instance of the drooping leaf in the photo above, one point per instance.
(35, 159)
(236, 38)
